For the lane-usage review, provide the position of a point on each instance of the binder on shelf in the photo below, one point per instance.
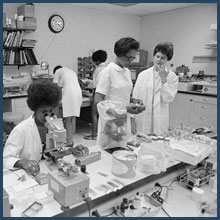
(8, 39)
(32, 56)
(20, 39)
(24, 57)
(27, 57)
(11, 39)
(17, 57)
(7, 57)
(21, 57)
(16, 38)
(5, 34)
(11, 61)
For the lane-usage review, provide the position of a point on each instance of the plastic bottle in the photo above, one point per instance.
(137, 201)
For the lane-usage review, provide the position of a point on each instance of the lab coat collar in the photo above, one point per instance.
(116, 67)
(31, 122)
(101, 64)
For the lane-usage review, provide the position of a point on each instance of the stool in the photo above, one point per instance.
(11, 119)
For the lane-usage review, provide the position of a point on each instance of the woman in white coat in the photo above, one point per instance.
(25, 144)
(71, 100)
(115, 82)
(157, 87)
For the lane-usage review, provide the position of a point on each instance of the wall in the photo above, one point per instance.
(85, 30)
(188, 29)
(88, 29)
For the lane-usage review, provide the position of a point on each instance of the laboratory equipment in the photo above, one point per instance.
(68, 184)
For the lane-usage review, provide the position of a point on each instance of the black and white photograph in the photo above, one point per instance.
(109, 109)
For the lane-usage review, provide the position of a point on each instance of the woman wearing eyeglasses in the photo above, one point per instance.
(115, 81)
(157, 87)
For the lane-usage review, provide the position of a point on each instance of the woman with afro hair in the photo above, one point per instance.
(24, 145)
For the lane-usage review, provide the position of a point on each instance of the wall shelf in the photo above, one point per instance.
(204, 59)
(213, 27)
(17, 29)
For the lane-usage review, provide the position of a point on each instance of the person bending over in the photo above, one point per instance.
(71, 98)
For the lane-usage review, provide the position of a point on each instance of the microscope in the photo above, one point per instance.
(68, 184)
(56, 136)
(55, 139)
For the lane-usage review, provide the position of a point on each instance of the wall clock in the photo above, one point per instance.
(56, 23)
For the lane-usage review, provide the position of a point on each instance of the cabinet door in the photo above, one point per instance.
(204, 112)
(20, 105)
(180, 110)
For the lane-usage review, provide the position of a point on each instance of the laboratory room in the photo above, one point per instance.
(109, 109)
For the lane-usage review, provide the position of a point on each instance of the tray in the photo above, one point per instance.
(197, 177)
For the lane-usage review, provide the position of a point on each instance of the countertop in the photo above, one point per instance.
(24, 94)
(86, 100)
(198, 93)
(102, 200)
(14, 95)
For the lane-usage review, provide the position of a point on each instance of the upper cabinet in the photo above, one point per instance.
(212, 44)
(213, 27)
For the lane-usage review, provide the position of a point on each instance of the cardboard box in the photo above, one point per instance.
(13, 23)
(4, 19)
(20, 24)
(31, 23)
(27, 10)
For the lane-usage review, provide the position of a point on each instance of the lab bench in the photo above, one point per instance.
(100, 173)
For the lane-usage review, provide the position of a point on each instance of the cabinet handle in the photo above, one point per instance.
(191, 100)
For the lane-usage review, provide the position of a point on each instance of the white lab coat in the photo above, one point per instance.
(156, 117)
(24, 142)
(72, 93)
(116, 84)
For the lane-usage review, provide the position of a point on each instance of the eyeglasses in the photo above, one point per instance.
(129, 58)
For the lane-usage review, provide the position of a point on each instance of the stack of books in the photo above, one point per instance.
(28, 43)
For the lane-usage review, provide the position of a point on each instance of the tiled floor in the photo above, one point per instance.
(83, 129)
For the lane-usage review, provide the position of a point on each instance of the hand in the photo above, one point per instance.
(136, 101)
(162, 73)
(135, 108)
(80, 150)
(30, 166)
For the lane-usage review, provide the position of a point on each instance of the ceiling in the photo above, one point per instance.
(139, 9)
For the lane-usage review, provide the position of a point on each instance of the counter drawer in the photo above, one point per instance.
(202, 120)
(206, 99)
(203, 108)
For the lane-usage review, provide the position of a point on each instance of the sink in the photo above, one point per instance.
(185, 86)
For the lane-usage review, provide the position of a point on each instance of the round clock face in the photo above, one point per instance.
(56, 23)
